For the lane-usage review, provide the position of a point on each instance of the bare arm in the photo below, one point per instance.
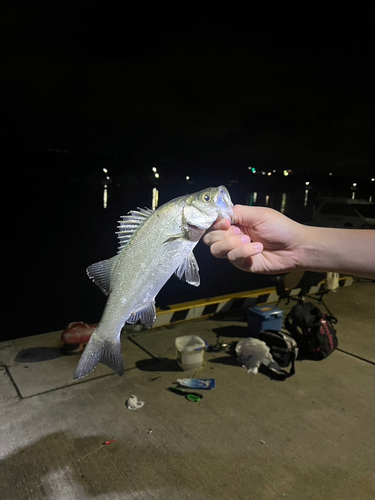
(350, 251)
(265, 241)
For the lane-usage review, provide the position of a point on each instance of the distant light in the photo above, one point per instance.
(154, 169)
(187, 177)
(286, 172)
(373, 179)
(274, 171)
(253, 169)
(354, 184)
(269, 173)
(267, 199)
(108, 177)
(105, 170)
(330, 173)
(157, 175)
(263, 172)
(307, 183)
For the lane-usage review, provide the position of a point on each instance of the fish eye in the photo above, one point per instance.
(206, 197)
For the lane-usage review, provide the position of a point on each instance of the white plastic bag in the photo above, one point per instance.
(252, 352)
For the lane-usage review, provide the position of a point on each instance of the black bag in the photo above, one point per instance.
(312, 330)
(283, 348)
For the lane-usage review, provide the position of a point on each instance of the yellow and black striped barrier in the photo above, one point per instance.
(204, 308)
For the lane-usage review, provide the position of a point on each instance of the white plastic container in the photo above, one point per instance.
(190, 351)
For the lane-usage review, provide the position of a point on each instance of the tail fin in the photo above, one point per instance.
(100, 351)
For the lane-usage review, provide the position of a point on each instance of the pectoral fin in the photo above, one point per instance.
(188, 270)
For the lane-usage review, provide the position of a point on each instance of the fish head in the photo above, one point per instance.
(203, 208)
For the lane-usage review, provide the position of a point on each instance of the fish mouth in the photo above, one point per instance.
(225, 204)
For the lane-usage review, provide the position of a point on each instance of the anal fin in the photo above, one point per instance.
(100, 273)
(146, 315)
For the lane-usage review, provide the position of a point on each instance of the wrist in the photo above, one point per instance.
(314, 250)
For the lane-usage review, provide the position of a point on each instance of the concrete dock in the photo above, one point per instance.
(311, 436)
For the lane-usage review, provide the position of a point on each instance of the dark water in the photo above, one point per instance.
(58, 227)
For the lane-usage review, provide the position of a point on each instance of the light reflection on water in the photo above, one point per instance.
(274, 200)
(105, 196)
(283, 203)
(306, 198)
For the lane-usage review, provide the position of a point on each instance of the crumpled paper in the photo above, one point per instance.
(133, 404)
(253, 352)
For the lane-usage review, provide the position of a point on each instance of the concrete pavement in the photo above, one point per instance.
(308, 437)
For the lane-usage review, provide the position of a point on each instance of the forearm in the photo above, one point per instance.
(346, 251)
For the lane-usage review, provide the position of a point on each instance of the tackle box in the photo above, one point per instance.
(264, 318)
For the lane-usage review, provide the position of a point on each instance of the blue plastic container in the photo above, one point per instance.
(264, 318)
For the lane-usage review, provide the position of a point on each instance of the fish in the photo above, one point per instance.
(153, 244)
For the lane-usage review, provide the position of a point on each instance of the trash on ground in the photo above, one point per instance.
(195, 397)
(227, 347)
(197, 383)
(133, 404)
(252, 352)
(109, 442)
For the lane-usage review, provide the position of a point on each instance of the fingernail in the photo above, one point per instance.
(258, 247)
(236, 230)
(245, 239)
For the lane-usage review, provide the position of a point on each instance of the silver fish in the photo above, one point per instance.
(152, 246)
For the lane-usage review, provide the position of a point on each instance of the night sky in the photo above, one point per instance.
(222, 89)
(191, 89)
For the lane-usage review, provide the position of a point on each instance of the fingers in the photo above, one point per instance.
(232, 246)
(240, 256)
(251, 216)
(221, 231)
(221, 246)
(221, 223)
(244, 257)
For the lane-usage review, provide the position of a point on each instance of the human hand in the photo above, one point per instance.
(261, 240)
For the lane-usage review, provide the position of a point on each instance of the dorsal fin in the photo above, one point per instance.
(130, 224)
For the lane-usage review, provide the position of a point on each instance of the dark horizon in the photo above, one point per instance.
(212, 90)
